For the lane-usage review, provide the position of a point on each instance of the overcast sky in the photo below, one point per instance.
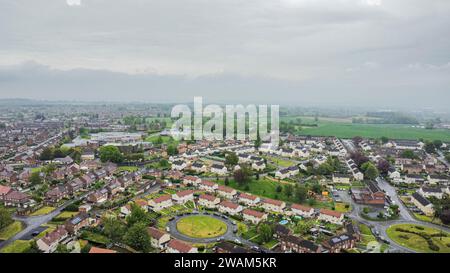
(386, 53)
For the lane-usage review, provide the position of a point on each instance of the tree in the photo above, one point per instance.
(447, 157)
(243, 175)
(301, 193)
(278, 189)
(138, 238)
(265, 232)
(258, 141)
(114, 229)
(5, 218)
(288, 190)
(172, 149)
(47, 154)
(35, 178)
(445, 216)
(359, 158)
(408, 154)
(370, 171)
(325, 169)
(110, 154)
(227, 181)
(429, 147)
(163, 163)
(384, 140)
(231, 159)
(137, 215)
(383, 166)
(303, 227)
(316, 188)
(437, 144)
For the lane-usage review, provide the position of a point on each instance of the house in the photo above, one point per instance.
(219, 169)
(191, 180)
(56, 194)
(331, 216)
(357, 175)
(226, 192)
(63, 161)
(340, 242)
(161, 202)
(74, 186)
(199, 167)
(372, 194)
(50, 241)
(98, 250)
(125, 210)
(182, 197)
(281, 231)
(78, 222)
(159, 239)
(414, 179)
(294, 244)
(87, 155)
(17, 199)
(4, 190)
(407, 145)
(412, 168)
(283, 174)
(208, 186)
(423, 204)
(249, 200)
(84, 208)
(88, 180)
(230, 248)
(98, 197)
(208, 201)
(438, 179)
(287, 152)
(230, 208)
(253, 216)
(177, 246)
(273, 205)
(303, 211)
(179, 165)
(339, 178)
(258, 166)
(427, 192)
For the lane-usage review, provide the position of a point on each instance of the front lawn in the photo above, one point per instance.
(201, 227)
(10, 230)
(43, 211)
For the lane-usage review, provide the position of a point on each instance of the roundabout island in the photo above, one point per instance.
(202, 228)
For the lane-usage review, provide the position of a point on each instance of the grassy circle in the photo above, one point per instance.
(200, 226)
(414, 236)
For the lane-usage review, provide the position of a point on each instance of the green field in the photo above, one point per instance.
(127, 169)
(201, 227)
(417, 242)
(18, 246)
(280, 161)
(42, 211)
(10, 230)
(346, 129)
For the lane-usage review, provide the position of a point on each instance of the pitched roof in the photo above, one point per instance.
(98, 250)
(248, 196)
(179, 245)
(208, 197)
(331, 213)
(422, 200)
(156, 233)
(162, 198)
(301, 207)
(229, 204)
(4, 190)
(253, 213)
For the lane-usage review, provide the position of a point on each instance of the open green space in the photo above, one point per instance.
(17, 246)
(42, 211)
(10, 230)
(280, 161)
(127, 169)
(346, 129)
(420, 238)
(200, 226)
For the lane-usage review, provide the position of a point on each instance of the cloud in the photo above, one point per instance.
(73, 2)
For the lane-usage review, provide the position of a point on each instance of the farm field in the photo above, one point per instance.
(346, 129)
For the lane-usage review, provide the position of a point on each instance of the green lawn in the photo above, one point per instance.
(10, 230)
(18, 246)
(201, 226)
(346, 129)
(280, 162)
(94, 237)
(42, 211)
(127, 169)
(165, 139)
(417, 242)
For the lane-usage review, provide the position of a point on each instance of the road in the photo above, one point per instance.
(33, 222)
(405, 217)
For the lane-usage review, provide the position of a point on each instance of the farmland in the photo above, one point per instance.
(343, 128)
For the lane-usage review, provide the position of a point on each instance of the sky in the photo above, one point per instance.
(382, 53)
